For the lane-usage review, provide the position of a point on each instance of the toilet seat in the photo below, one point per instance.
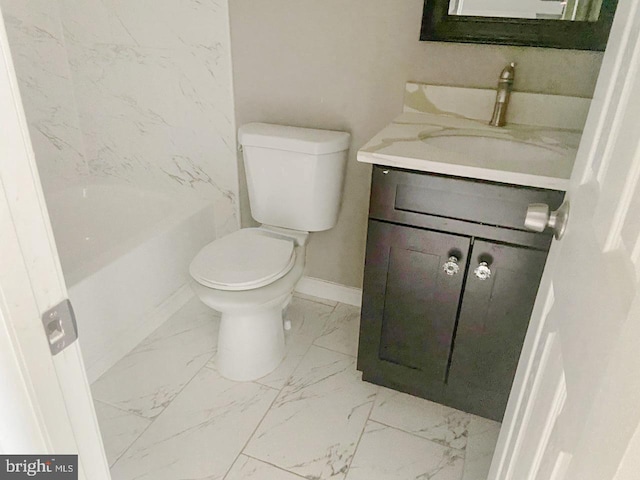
(247, 259)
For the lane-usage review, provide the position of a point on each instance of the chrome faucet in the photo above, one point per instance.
(505, 83)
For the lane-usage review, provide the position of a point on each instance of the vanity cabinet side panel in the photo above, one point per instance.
(409, 302)
(494, 318)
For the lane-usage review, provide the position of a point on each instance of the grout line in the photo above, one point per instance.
(334, 351)
(364, 427)
(462, 450)
(256, 382)
(284, 385)
(275, 466)
(211, 367)
(254, 431)
(153, 420)
(165, 407)
(124, 410)
(132, 442)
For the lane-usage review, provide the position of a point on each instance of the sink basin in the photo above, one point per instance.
(497, 149)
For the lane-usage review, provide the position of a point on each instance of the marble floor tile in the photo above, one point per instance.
(147, 379)
(481, 444)
(119, 429)
(247, 468)
(314, 425)
(304, 420)
(438, 423)
(341, 331)
(307, 317)
(385, 453)
(304, 330)
(200, 434)
(297, 346)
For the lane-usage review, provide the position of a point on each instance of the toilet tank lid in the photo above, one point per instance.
(293, 139)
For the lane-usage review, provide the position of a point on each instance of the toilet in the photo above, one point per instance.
(294, 179)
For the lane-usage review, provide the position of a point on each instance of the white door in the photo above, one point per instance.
(575, 406)
(45, 401)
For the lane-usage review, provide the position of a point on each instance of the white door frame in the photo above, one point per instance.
(45, 401)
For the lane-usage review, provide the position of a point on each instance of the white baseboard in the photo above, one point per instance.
(139, 331)
(330, 291)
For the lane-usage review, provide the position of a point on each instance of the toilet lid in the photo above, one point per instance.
(246, 259)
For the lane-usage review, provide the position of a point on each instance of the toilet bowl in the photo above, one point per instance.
(294, 180)
(251, 336)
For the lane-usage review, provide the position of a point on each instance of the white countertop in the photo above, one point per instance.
(401, 144)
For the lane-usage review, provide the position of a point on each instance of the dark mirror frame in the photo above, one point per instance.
(438, 25)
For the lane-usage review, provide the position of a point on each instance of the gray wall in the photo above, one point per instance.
(342, 64)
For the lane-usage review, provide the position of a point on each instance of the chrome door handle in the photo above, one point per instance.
(539, 217)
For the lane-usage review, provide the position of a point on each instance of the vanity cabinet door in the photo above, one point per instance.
(493, 321)
(410, 303)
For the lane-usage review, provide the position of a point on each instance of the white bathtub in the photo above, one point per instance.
(125, 255)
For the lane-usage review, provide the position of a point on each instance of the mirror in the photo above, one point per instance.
(577, 24)
(572, 10)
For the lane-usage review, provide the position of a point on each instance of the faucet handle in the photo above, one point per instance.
(508, 73)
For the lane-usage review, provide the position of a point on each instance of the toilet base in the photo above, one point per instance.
(251, 336)
(250, 345)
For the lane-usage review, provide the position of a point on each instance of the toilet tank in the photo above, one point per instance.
(295, 175)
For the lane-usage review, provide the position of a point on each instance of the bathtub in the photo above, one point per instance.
(125, 254)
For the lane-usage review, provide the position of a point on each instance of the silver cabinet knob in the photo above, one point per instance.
(482, 271)
(451, 266)
(539, 217)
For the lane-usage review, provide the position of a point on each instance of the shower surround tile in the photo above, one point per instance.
(433, 421)
(117, 92)
(385, 453)
(119, 429)
(159, 118)
(135, 93)
(44, 78)
(326, 399)
(31, 20)
(168, 24)
(146, 380)
(155, 97)
(200, 434)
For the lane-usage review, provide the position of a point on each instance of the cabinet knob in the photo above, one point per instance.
(451, 266)
(482, 271)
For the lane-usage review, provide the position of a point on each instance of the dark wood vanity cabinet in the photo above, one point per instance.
(451, 338)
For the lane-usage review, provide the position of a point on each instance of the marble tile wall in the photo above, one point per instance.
(130, 92)
(41, 61)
